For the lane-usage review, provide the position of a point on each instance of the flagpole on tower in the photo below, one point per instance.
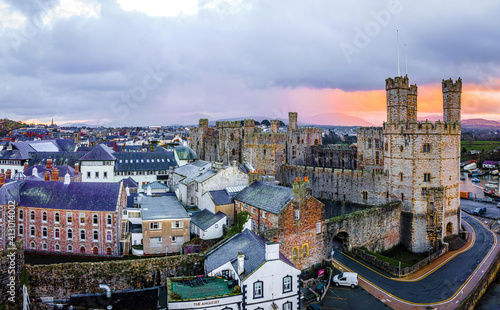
(406, 61)
(397, 41)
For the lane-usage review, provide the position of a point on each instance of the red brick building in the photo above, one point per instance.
(290, 214)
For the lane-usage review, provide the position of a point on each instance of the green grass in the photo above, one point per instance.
(390, 261)
(480, 145)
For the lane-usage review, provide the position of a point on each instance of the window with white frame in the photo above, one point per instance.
(32, 216)
(97, 174)
(56, 217)
(287, 305)
(108, 236)
(95, 219)
(264, 215)
(44, 216)
(32, 231)
(45, 232)
(32, 245)
(108, 220)
(69, 234)
(96, 235)
(287, 284)
(44, 246)
(57, 233)
(296, 214)
(56, 247)
(155, 226)
(258, 289)
(70, 248)
(82, 234)
(20, 229)
(253, 210)
(88, 174)
(105, 175)
(82, 218)
(318, 228)
(69, 218)
(177, 224)
(21, 214)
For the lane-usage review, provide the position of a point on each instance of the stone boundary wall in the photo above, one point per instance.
(475, 295)
(372, 259)
(63, 280)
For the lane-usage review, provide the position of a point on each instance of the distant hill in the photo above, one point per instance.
(336, 119)
(479, 122)
(7, 125)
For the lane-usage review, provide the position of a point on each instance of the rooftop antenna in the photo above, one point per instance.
(397, 40)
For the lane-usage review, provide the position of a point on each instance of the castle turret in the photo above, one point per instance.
(292, 121)
(397, 99)
(275, 125)
(203, 124)
(249, 125)
(452, 102)
(412, 103)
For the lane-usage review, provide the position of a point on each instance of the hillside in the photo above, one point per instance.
(6, 125)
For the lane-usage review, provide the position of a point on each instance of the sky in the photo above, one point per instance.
(132, 63)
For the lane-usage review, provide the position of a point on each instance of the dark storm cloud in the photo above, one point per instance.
(234, 60)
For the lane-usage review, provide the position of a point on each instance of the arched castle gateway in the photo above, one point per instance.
(416, 163)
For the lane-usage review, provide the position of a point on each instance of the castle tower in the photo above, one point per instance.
(452, 102)
(412, 103)
(292, 121)
(275, 125)
(397, 99)
(203, 124)
(249, 125)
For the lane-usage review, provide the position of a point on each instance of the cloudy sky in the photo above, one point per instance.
(130, 62)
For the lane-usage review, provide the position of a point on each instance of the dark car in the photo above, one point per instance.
(479, 211)
(313, 307)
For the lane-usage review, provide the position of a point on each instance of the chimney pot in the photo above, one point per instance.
(8, 174)
(77, 168)
(49, 163)
(54, 173)
(241, 263)
(26, 166)
(2, 179)
(47, 175)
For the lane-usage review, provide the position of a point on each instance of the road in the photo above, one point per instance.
(438, 286)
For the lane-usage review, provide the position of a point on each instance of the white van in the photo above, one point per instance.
(346, 279)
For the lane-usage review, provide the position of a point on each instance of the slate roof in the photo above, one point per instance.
(185, 153)
(144, 161)
(162, 208)
(221, 197)
(42, 168)
(155, 185)
(249, 243)
(197, 171)
(73, 196)
(100, 152)
(206, 219)
(58, 158)
(129, 182)
(9, 192)
(265, 196)
(12, 154)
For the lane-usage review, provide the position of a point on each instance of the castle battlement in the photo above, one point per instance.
(369, 130)
(450, 86)
(397, 82)
(228, 124)
(425, 127)
(203, 122)
(305, 130)
(266, 138)
(413, 90)
(249, 122)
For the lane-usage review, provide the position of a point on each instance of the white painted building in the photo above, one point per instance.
(207, 225)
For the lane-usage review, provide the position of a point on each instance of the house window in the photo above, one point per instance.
(427, 177)
(253, 210)
(216, 226)
(287, 305)
(56, 217)
(108, 236)
(32, 215)
(95, 219)
(264, 214)
(32, 231)
(318, 228)
(105, 174)
(258, 289)
(177, 224)
(287, 284)
(56, 247)
(20, 229)
(70, 248)
(32, 245)
(97, 174)
(88, 174)
(45, 232)
(377, 158)
(44, 216)
(108, 220)
(424, 191)
(155, 226)
(96, 235)
(377, 143)
(82, 218)
(69, 218)
(305, 250)
(296, 214)
(56, 233)
(365, 195)
(426, 148)
(369, 143)
(82, 234)
(70, 234)
(44, 246)
(295, 252)
(21, 214)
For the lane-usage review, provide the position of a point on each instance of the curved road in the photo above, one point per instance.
(437, 286)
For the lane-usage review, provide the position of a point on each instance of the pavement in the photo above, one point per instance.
(442, 284)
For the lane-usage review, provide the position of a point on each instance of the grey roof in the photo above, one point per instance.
(185, 153)
(100, 152)
(9, 192)
(197, 171)
(144, 161)
(205, 219)
(12, 154)
(42, 168)
(265, 196)
(162, 208)
(58, 158)
(155, 185)
(129, 182)
(221, 197)
(73, 196)
(249, 243)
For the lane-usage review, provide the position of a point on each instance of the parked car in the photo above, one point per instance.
(479, 211)
(346, 279)
(475, 180)
(498, 205)
(313, 307)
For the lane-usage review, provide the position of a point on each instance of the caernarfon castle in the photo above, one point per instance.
(415, 163)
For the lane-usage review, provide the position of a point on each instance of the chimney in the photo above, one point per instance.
(54, 174)
(34, 171)
(26, 166)
(272, 250)
(241, 263)
(49, 163)
(9, 147)
(67, 179)
(8, 174)
(127, 190)
(77, 168)
(2, 179)
(148, 191)
(47, 175)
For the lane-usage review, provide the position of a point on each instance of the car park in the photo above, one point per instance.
(346, 279)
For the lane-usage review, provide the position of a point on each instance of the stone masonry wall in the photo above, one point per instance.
(64, 280)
